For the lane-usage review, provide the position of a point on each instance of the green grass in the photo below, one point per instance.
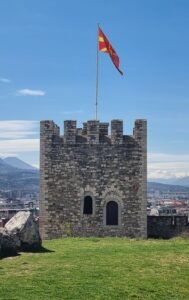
(97, 268)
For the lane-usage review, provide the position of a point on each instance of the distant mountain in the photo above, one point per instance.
(183, 181)
(18, 163)
(21, 176)
(6, 169)
(12, 178)
(167, 187)
(20, 180)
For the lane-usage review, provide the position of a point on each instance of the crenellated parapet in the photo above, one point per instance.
(70, 132)
(93, 132)
(49, 128)
(48, 132)
(140, 132)
(117, 131)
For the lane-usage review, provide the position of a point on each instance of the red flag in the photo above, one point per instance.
(105, 46)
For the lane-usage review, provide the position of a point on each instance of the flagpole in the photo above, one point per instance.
(97, 75)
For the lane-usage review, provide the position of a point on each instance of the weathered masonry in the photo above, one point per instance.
(93, 183)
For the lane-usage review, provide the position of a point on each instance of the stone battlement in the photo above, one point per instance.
(93, 132)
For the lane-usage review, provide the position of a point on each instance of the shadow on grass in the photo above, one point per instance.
(7, 254)
(38, 250)
(12, 254)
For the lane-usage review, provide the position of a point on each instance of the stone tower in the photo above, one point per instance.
(93, 183)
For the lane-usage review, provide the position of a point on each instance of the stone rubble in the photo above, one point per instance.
(20, 233)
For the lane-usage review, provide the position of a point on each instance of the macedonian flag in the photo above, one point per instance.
(106, 47)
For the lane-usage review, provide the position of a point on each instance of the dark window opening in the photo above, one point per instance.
(88, 205)
(112, 213)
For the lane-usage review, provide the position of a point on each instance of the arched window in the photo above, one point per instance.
(112, 213)
(88, 205)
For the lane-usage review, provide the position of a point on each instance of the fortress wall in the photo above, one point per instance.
(88, 161)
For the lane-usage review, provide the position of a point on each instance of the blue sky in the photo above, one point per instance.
(48, 70)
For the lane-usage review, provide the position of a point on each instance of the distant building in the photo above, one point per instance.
(167, 210)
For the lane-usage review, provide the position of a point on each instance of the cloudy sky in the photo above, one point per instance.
(48, 70)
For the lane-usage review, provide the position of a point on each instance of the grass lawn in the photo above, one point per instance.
(99, 268)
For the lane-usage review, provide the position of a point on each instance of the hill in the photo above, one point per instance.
(167, 187)
(20, 180)
(183, 181)
(5, 168)
(99, 268)
(18, 163)
(13, 178)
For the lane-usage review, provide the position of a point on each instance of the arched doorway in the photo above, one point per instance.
(112, 213)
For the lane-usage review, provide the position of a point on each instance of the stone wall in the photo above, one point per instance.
(89, 162)
(167, 226)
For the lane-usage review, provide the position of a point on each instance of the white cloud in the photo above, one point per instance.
(16, 134)
(18, 137)
(164, 157)
(15, 146)
(18, 129)
(165, 166)
(5, 80)
(4, 155)
(29, 92)
(18, 124)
